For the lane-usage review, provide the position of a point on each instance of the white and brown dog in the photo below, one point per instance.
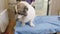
(25, 12)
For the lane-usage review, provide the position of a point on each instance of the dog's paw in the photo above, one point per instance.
(32, 25)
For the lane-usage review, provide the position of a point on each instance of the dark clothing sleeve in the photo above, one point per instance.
(30, 1)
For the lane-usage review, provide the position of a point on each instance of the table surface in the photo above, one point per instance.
(43, 24)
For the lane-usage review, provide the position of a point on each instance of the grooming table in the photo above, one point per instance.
(43, 25)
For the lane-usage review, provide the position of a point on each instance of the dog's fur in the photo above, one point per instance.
(25, 12)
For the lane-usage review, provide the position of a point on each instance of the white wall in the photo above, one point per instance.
(41, 7)
(6, 3)
(12, 1)
(54, 7)
(2, 5)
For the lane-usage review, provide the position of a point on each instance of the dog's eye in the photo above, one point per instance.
(15, 12)
(19, 13)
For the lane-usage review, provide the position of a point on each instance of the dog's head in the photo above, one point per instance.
(21, 9)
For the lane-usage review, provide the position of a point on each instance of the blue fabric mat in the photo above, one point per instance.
(43, 25)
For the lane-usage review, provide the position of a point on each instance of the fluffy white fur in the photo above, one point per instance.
(30, 14)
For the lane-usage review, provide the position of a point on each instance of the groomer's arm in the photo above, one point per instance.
(12, 20)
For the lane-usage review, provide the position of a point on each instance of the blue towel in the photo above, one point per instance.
(43, 25)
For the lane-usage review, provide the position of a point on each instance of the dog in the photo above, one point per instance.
(25, 12)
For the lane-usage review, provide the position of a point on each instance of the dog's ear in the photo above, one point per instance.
(16, 9)
(25, 9)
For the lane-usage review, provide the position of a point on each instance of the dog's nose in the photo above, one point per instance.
(25, 14)
(19, 13)
(22, 14)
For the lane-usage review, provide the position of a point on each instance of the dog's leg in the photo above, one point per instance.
(23, 21)
(31, 23)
